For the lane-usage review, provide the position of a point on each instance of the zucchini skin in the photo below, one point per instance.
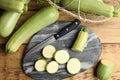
(8, 21)
(12, 5)
(41, 19)
(91, 6)
(81, 40)
(104, 72)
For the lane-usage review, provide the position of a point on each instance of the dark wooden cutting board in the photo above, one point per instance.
(88, 57)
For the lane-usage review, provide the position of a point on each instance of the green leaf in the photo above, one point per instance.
(56, 1)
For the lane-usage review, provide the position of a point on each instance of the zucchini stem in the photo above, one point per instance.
(115, 12)
(25, 8)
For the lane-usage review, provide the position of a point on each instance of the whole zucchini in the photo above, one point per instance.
(12, 5)
(91, 6)
(41, 19)
(8, 21)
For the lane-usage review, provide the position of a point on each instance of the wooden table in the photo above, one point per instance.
(108, 32)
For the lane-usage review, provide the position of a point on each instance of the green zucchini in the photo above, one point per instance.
(48, 51)
(8, 21)
(91, 6)
(40, 65)
(81, 40)
(12, 5)
(26, 5)
(41, 19)
(52, 67)
(73, 66)
(26, 1)
(105, 69)
(61, 56)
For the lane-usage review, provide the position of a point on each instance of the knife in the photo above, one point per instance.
(54, 37)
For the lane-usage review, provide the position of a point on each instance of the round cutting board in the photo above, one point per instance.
(88, 57)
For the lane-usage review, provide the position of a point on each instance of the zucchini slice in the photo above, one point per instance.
(40, 65)
(48, 51)
(73, 66)
(62, 56)
(52, 67)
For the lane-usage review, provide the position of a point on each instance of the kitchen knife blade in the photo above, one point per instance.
(54, 37)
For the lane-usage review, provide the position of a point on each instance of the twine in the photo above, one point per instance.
(78, 15)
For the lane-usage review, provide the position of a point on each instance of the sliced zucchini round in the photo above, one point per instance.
(40, 65)
(73, 66)
(52, 67)
(48, 51)
(62, 56)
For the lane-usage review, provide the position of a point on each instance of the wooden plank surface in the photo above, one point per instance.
(11, 69)
(108, 32)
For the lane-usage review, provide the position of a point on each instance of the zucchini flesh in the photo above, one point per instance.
(48, 51)
(73, 66)
(40, 65)
(8, 21)
(62, 56)
(41, 19)
(91, 6)
(105, 69)
(12, 5)
(81, 40)
(52, 67)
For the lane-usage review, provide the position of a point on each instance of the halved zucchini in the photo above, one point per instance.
(52, 67)
(40, 65)
(62, 56)
(73, 66)
(105, 69)
(48, 51)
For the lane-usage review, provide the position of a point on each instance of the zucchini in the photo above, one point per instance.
(73, 66)
(61, 56)
(40, 65)
(52, 67)
(8, 21)
(81, 40)
(105, 69)
(41, 19)
(26, 5)
(91, 6)
(48, 51)
(12, 5)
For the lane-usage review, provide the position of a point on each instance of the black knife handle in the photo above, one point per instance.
(67, 29)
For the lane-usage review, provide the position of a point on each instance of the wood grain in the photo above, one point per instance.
(108, 32)
(11, 69)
